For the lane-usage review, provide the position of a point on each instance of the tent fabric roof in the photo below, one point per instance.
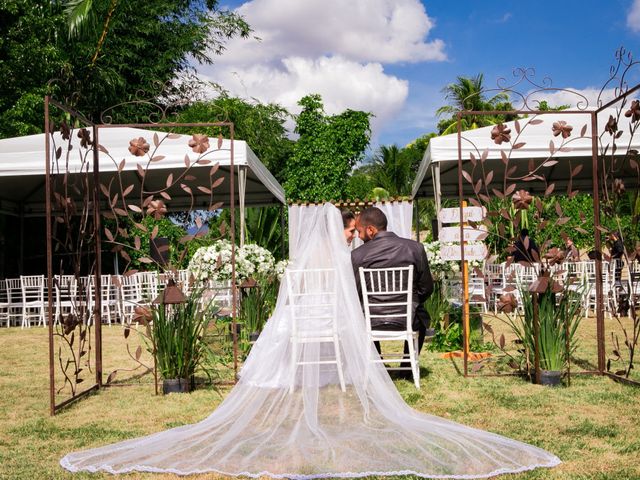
(22, 168)
(444, 151)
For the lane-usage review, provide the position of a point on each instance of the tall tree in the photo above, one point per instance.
(392, 171)
(325, 153)
(469, 93)
(148, 45)
(261, 125)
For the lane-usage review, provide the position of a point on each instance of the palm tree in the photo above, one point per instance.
(392, 171)
(470, 94)
(82, 19)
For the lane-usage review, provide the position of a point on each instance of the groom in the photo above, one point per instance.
(382, 249)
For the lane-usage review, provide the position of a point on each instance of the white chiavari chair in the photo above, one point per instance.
(32, 287)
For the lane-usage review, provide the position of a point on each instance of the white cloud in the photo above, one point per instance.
(585, 98)
(335, 48)
(341, 83)
(386, 31)
(633, 17)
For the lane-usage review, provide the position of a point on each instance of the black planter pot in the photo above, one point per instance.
(551, 378)
(176, 385)
(253, 336)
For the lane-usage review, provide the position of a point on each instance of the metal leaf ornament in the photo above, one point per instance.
(634, 111)
(561, 128)
(611, 126)
(507, 303)
(500, 133)
(554, 256)
(138, 147)
(157, 209)
(522, 199)
(85, 138)
(199, 143)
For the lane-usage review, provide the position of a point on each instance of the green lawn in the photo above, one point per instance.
(592, 426)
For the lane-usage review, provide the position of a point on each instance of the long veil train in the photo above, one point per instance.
(288, 417)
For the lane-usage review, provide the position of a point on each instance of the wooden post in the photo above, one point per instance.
(465, 299)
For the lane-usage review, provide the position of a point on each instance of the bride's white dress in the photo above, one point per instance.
(317, 431)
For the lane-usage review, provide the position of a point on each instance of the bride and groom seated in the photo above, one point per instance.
(384, 249)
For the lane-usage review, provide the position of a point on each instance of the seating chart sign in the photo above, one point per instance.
(452, 215)
(452, 234)
(477, 251)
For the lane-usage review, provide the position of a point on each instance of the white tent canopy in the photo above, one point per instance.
(438, 172)
(22, 169)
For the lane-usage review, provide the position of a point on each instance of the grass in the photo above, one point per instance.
(592, 425)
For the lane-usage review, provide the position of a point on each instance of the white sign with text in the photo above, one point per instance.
(452, 215)
(452, 234)
(476, 251)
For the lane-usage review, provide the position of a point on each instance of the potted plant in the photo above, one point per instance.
(177, 339)
(257, 301)
(559, 311)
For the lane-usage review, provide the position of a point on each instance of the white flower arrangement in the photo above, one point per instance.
(441, 268)
(280, 268)
(213, 263)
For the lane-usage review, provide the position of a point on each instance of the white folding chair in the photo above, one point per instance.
(65, 298)
(32, 287)
(108, 298)
(387, 293)
(14, 297)
(496, 282)
(4, 304)
(314, 311)
(130, 296)
(477, 290)
(634, 280)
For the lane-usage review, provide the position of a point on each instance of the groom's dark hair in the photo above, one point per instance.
(373, 216)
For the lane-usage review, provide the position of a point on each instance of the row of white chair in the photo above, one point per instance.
(24, 300)
(493, 279)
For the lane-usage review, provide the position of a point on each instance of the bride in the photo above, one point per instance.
(314, 410)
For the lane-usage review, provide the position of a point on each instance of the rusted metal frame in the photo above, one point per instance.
(168, 124)
(618, 378)
(52, 390)
(465, 305)
(520, 112)
(48, 215)
(71, 112)
(84, 393)
(597, 244)
(97, 290)
(617, 99)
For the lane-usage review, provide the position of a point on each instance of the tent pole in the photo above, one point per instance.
(417, 220)
(435, 174)
(242, 189)
(21, 247)
(282, 227)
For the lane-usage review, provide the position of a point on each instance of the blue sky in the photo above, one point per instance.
(393, 57)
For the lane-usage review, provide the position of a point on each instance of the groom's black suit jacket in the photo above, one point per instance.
(387, 250)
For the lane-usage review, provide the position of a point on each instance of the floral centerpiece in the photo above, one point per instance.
(257, 276)
(213, 263)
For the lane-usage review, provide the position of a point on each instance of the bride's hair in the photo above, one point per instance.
(347, 216)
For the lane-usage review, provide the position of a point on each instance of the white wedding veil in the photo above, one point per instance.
(288, 416)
